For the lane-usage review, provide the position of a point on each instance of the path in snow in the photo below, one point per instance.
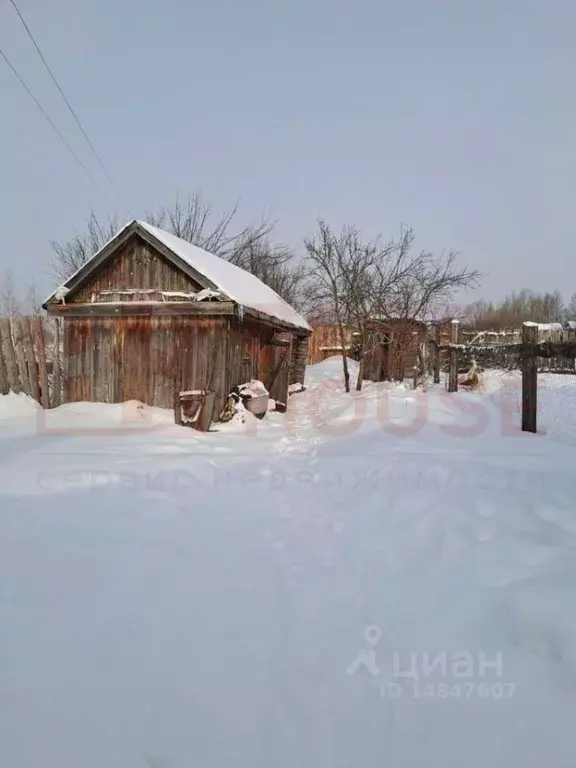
(243, 598)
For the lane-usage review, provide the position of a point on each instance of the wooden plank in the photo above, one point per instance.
(136, 309)
(453, 369)
(529, 378)
(31, 362)
(12, 368)
(437, 354)
(38, 329)
(56, 375)
(4, 385)
(18, 338)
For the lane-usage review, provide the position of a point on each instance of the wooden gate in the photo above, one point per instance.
(279, 375)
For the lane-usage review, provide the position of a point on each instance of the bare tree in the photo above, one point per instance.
(422, 287)
(570, 308)
(278, 267)
(31, 304)
(518, 307)
(327, 284)
(70, 255)
(367, 280)
(191, 219)
(9, 303)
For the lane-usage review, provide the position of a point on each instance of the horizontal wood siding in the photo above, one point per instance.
(135, 265)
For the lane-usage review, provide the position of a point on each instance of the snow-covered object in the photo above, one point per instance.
(253, 388)
(231, 281)
(294, 388)
(61, 293)
(550, 326)
(207, 294)
(255, 397)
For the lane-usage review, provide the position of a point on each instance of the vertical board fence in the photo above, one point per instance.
(30, 358)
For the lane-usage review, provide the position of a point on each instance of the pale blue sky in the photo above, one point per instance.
(456, 117)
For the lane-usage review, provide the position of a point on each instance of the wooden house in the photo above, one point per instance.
(395, 346)
(151, 315)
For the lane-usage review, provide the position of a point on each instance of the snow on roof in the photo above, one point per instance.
(238, 285)
(549, 326)
(241, 286)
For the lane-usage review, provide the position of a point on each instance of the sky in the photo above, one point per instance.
(456, 117)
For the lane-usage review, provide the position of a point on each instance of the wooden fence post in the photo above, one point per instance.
(453, 372)
(529, 377)
(7, 346)
(438, 338)
(56, 371)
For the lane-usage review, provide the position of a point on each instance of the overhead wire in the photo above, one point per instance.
(53, 125)
(67, 102)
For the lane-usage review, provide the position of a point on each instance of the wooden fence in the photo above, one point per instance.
(528, 354)
(30, 360)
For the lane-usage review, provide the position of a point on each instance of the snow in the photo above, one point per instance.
(13, 406)
(253, 388)
(240, 286)
(550, 326)
(256, 595)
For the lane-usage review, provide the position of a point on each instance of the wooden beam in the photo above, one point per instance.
(438, 337)
(453, 369)
(4, 386)
(143, 308)
(529, 377)
(274, 322)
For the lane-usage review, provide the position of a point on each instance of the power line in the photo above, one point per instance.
(57, 84)
(53, 124)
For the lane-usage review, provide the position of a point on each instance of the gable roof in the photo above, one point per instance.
(209, 270)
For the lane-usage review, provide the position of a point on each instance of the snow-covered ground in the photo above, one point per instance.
(258, 596)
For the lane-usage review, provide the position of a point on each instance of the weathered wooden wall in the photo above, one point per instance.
(28, 351)
(136, 265)
(116, 359)
(392, 350)
(325, 342)
(113, 360)
(298, 361)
